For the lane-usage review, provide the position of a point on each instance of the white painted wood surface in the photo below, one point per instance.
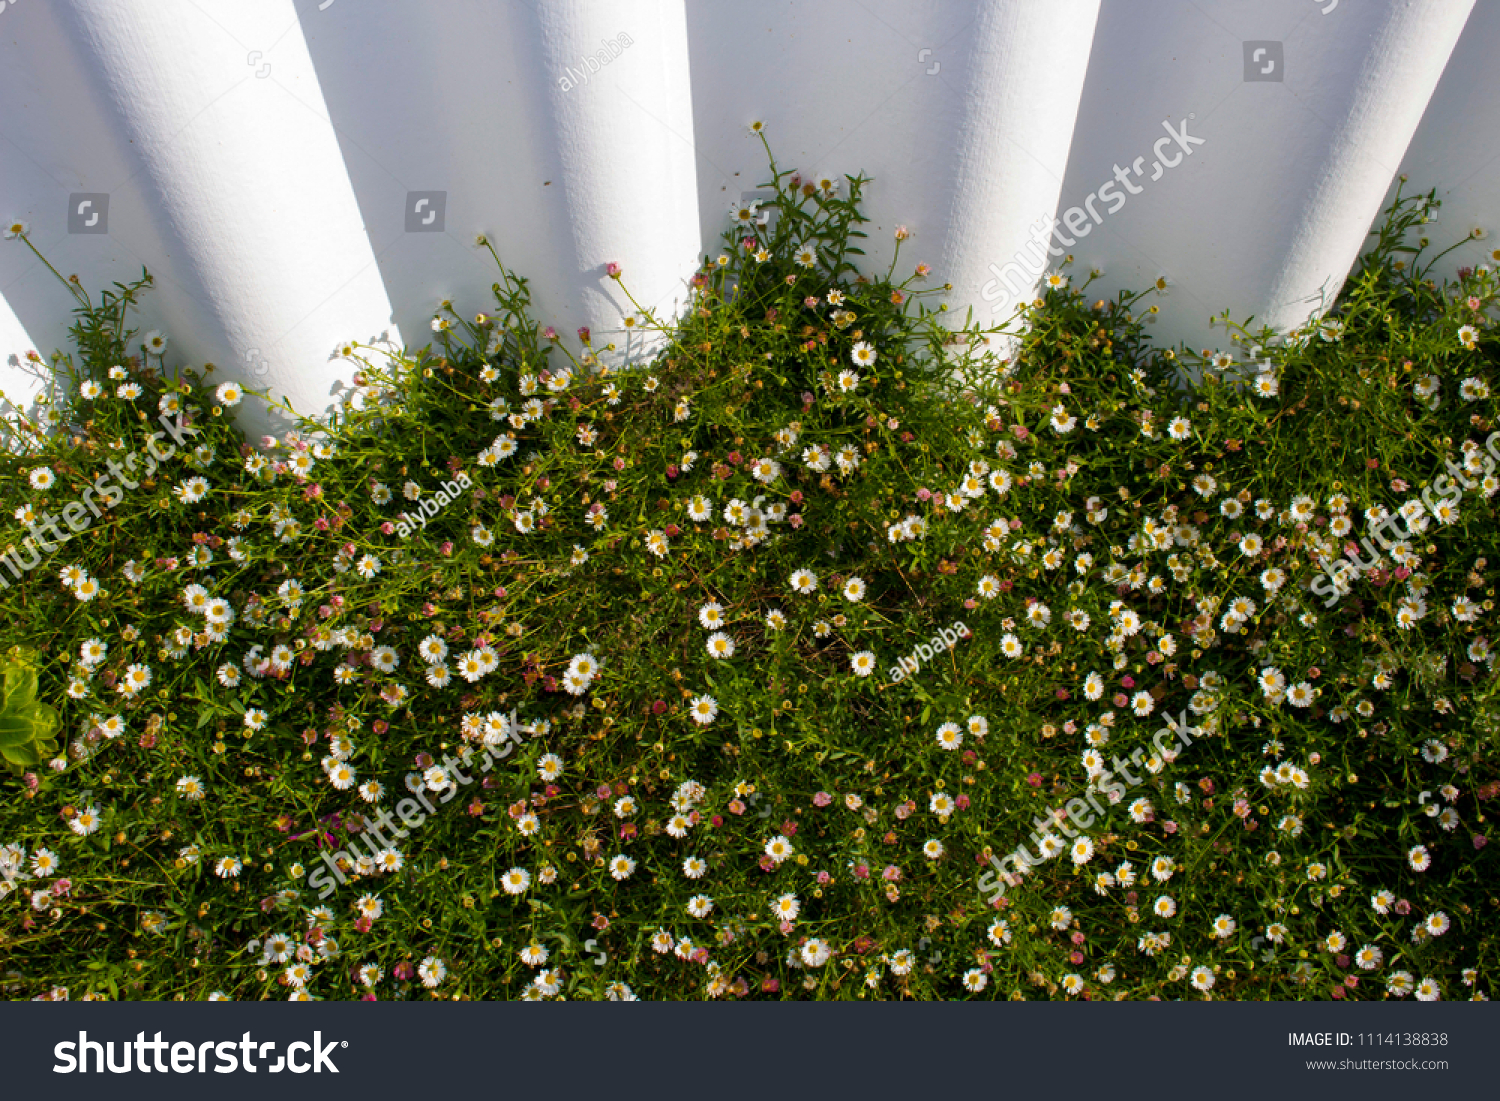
(259, 155)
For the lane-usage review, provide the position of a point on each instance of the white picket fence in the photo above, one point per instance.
(268, 160)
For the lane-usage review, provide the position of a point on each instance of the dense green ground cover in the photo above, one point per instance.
(642, 658)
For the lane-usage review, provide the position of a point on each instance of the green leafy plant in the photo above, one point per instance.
(691, 579)
(28, 728)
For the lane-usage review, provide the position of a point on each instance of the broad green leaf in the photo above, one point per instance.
(21, 756)
(26, 725)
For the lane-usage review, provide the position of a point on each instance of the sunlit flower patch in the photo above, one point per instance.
(618, 717)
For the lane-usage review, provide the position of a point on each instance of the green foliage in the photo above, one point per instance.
(692, 581)
(28, 728)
